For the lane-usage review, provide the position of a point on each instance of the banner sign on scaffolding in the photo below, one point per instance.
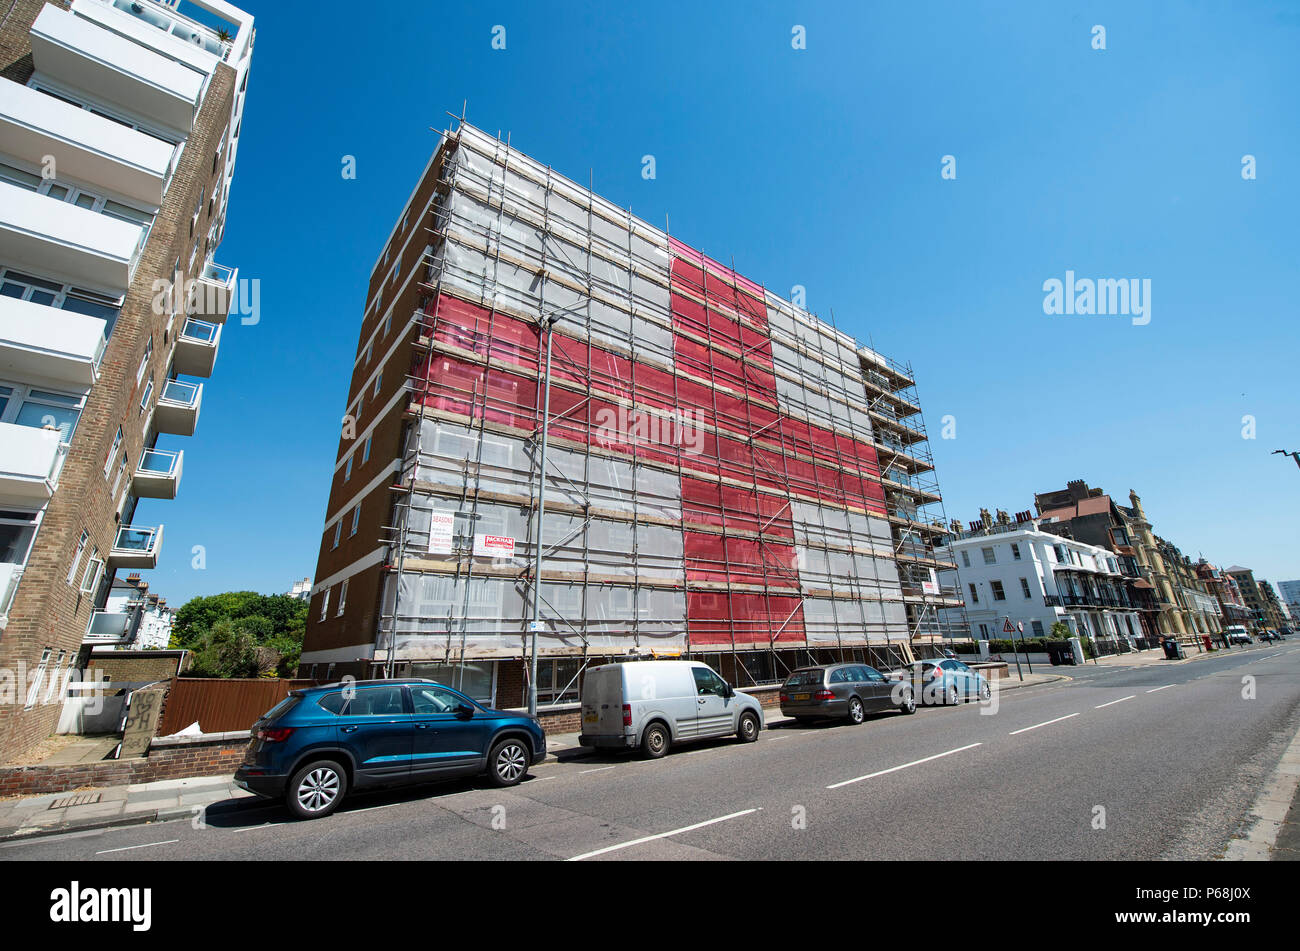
(441, 532)
(494, 546)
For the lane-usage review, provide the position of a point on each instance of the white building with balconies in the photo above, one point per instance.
(1016, 571)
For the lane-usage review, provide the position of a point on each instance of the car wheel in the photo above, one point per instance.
(749, 727)
(985, 690)
(508, 762)
(655, 741)
(951, 696)
(317, 789)
(856, 713)
(908, 704)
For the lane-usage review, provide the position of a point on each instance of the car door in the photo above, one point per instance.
(875, 689)
(448, 737)
(714, 710)
(376, 726)
(967, 683)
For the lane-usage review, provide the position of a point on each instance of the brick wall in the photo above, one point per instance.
(47, 611)
(209, 758)
(120, 670)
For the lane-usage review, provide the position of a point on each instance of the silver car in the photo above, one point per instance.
(947, 680)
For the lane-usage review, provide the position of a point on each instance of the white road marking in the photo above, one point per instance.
(597, 770)
(1113, 702)
(661, 835)
(128, 848)
(1045, 723)
(264, 825)
(894, 769)
(1165, 687)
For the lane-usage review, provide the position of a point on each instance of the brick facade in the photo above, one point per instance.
(207, 758)
(47, 611)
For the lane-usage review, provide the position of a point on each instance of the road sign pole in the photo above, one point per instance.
(1009, 628)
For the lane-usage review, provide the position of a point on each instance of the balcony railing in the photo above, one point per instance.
(112, 627)
(1086, 601)
(136, 547)
(10, 575)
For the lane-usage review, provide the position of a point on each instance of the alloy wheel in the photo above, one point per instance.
(318, 789)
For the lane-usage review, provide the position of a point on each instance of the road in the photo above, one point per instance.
(1157, 762)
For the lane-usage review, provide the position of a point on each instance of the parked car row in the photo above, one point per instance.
(321, 743)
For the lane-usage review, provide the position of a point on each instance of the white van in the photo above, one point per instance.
(653, 704)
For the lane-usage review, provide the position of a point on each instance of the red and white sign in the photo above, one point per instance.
(442, 527)
(1008, 627)
(494, 546)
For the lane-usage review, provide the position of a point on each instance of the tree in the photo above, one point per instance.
(1061, 630)
(241, 634)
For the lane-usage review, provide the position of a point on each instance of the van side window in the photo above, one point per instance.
(707, 683)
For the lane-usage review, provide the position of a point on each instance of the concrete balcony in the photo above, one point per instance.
(213, 293)
(158, 476)
(30, 461)
(136, 547)
(44, 235)
(177, 410)
(196, 348)
(45, 342)
(83, 54)
(87, 147)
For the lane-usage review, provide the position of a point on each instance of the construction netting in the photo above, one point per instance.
(712, 475)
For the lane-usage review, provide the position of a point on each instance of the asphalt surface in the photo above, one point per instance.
(1156, 762)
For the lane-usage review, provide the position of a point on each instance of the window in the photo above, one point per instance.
(75, 195)
(38, 290)
(146, 396)
(388, 324)
(94, 569)
(974, 596)
(76, 557)
(144, 362)
(428, 700)
(379, 380)
(999, 594)
(1024, 586)
(984, 632)
(325, 604)
(347, 470)
(369, 354)
(41, 409)
(37, 679)
(356, 520)
(1037, 627)
(343, 599)
(365, 453)
(17, 529)
(377, 702)
(1015, 551)
(112, 453)
(989, 557)
(338, 533)
(965, 559)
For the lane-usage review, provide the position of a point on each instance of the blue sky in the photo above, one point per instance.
(817, 167)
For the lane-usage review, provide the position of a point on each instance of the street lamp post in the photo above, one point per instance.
(545, 324)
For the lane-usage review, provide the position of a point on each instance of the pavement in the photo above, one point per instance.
(143, 803)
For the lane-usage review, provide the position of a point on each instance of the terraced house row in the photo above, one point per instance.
(726, 475)
(119, 127)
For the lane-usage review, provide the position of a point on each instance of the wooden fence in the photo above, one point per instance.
(221, 706)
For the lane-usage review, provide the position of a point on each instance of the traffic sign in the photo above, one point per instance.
(1007, 628)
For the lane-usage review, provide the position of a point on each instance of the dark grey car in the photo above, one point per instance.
(848, 691)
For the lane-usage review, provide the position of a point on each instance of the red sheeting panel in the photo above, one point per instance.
(473, 328)
(456, 386)
(743, 618)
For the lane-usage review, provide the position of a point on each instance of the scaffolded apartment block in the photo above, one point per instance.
(725, 473)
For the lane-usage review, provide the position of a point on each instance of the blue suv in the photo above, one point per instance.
(318, 744)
